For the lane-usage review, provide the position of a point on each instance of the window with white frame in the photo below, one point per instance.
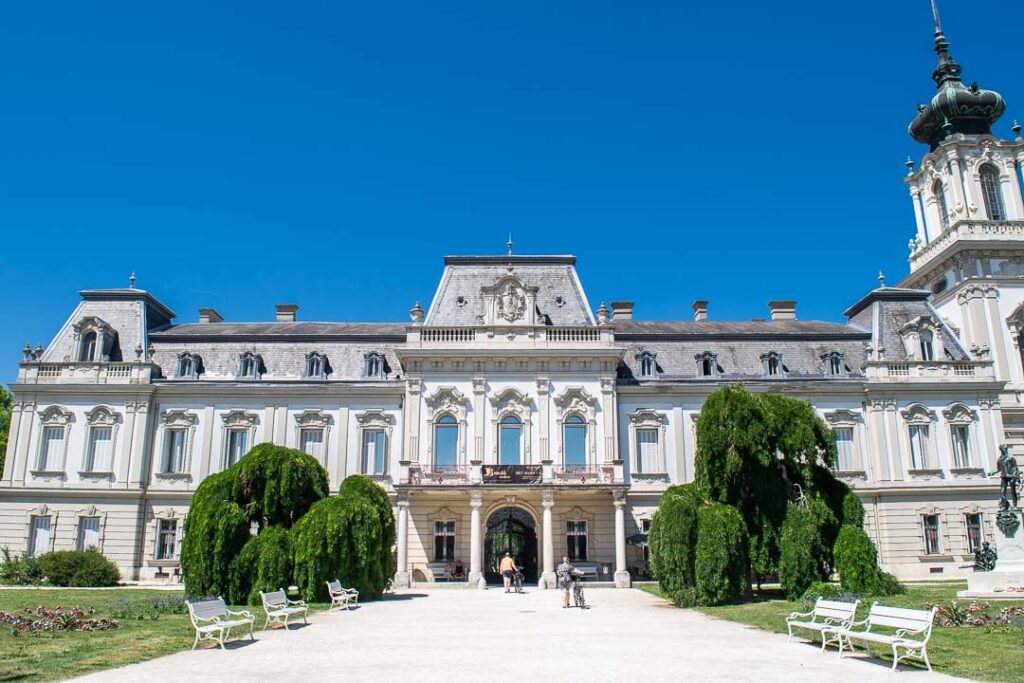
(375, 451)
(316, 365)
(444, 541)
(576, 545)
(88, 533)
(311, 441)
(101, 449)
(250, 365)
(574, 442)
(991, 193)
(446, 442)
(178, 426)
(943, 206)
(647, 450)
(166, 539)
(189, 365)
(39, 535)
(510, 441)
(52, 453)
(374, 365)
(844, 449)
(975, 533)
(174, 451)
(927, 345)
(932, 535)
(647, 441)
(647, 364)
(236, 445)
(919, 455)
(961, 436)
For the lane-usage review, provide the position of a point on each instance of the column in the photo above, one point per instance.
(995, 331)
(402, 575)
(547, 578)
(475, 550)
(621, 574)
(922, 231)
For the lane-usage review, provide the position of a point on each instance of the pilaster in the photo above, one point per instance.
(479, 427)
(138, 458)
(413, 389)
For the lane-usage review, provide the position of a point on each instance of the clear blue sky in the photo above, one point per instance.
(238, 155)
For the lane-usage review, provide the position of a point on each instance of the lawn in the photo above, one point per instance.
(979, 653)
(56, 656)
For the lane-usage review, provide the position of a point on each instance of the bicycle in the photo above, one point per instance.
(577, 593)
(517, 581)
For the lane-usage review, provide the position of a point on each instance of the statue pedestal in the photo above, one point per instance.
(1006, 581)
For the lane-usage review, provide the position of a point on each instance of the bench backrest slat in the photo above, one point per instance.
(899, 617)
(208, 609)
(833, 609)
(334, 586)
(274, 598)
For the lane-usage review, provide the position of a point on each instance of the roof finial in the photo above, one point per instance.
(131, 280)
(941, 44)
(509, 244)
(881, 279)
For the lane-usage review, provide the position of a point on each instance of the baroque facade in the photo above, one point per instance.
(512, 415)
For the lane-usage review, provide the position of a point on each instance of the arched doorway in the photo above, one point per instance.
(510, 530)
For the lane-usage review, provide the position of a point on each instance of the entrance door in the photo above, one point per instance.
(510, 530)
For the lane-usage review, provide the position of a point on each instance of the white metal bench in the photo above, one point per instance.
(826, 617)
(589, 570)
(913, 628)
(439, 571)
(342, 597)
(279, 608)
(213, 620)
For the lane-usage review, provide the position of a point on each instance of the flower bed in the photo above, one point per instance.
(53, 619)
(975, 614)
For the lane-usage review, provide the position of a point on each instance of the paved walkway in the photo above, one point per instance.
(470, 635)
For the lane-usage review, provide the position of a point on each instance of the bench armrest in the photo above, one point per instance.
(298, 603)
(241, 613)
(795, 615)
(908, 631)
(214, 620)
(860, 623)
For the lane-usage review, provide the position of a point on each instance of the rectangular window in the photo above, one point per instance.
(975, 537)
(844, 449)
(39, 536)
(174, 458)
(446, 443)
(237, 445)
(647, 451)
(576, 540)
(961, 445)
(919, 447)
(311, 442)
(932, 544)
(53, 449)
(444, 541)
(166, 539)
(509, 451)
(575, 437)
(374, 451)
(88, 533)
(100, 450)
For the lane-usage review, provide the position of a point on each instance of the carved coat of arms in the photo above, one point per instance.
(511, 304)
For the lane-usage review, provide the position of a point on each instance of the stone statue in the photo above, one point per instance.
(1009, 476)
(985, 559)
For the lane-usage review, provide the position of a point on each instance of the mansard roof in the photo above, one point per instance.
(290, 331)
(748, 330)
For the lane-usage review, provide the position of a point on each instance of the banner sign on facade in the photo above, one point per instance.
(513, 474)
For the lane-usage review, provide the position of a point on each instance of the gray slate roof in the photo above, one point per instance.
(288, 331)
(767, 328)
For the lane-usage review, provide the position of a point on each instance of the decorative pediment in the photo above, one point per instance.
(313, 419)
(921, 322)
(576, 401)
(917, 414)
(239, 418)
(509, 302)
(90, 324)
(378, 419)
(179, 418)
(511, 401)
(647, 418)
(958, 413)
(842, 418)
(102, 416)
(1015, 321)
(56, 416)
(447, 400)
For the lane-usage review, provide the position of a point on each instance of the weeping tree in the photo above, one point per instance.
(673, 543)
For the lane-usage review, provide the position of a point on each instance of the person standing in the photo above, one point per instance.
(507, 568)
(566, 575)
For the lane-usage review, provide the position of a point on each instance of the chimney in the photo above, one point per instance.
(209, 315)
(782, 310)
(286, 312)
(700, 311)
(622, 310)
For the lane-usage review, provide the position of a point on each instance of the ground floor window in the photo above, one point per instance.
(166, 539)
(932, 544)
(444, 541)
(576, 540)
(39, 536)
(975, 537)
(88, 532)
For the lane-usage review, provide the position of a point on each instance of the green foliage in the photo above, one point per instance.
(853, 510)
(801, 560)
(215, 531)
(264, 564)
(276, 485)
(319, 541)
(887, 584)
(6, 401)
(78, 568)
(684, 597)
(722, 558)
(673, 540)
(856, 560)
(19, 570)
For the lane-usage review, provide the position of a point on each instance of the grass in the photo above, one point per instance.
(980, 653)
(55, 656)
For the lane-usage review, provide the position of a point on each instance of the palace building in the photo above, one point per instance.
(513, 415)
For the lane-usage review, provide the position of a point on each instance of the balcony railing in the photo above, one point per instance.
(71, 372)
(452, 475)
(583, 474)
(1008, 231)
(908, 371)
(538, 335)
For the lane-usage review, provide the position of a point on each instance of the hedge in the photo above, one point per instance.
(672, 540)
(78, 568)
(722, 556)
(800, 559)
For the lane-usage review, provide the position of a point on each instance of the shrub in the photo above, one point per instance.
(319, 545)
(853, 511)
(684, 597)
(828, 591)
(673, 539)
(722, 558)
(19, 570)
(856, 560)
(827, 526)
(264, 564)
(801, 558)
(887, 584)
(79, 568)
(277, 485)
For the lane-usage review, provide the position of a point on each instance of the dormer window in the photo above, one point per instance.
(250, 366)
(773, 366)
(707, 364)
(96, 341)
(189, 366)
(647, 364)
(927, 345)
(374, 365)
(88, 347)
(316, 365)
(834, 364)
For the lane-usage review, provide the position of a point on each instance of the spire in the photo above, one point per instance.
(947, 68)
(509, 244)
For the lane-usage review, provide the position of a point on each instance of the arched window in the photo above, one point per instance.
(446, 442)
(992, 194)
(940, 200)
(89, 347)
(705, 366)
(574, 439)
(927, 345)
(510, 441)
